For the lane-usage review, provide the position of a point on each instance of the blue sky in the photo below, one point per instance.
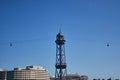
(32, 25)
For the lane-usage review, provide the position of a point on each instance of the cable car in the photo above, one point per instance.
(108, 44)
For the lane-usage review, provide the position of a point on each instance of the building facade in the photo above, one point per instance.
(3, 74)
(28, 73)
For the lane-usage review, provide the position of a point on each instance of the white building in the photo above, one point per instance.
(28, 73)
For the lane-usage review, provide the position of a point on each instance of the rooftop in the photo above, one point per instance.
(30, 68)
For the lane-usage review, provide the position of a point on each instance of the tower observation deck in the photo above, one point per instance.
(60, 65)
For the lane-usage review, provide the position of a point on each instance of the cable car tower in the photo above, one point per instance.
(60, 65)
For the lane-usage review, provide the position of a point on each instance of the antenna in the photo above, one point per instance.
(60, 28)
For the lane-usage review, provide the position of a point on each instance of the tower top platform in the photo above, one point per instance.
(60, 38)
(60, 34)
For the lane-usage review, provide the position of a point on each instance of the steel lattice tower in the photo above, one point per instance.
(60, 65)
